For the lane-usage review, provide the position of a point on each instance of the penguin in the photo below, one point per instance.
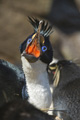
(66, 88)
(36, 54)
(32, 83)
(65, 15)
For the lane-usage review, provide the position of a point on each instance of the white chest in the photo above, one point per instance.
(37, 84)
(39, 93)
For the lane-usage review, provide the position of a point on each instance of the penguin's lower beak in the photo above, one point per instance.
(30, 58)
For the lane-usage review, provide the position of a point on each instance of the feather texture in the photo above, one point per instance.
(46, 29)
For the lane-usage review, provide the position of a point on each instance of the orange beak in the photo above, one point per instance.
(34, 47)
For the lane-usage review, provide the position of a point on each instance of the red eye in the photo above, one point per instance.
(53, 72)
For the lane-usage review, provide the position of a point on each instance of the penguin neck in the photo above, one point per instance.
(37, 83)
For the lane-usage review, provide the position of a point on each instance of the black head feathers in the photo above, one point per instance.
(46, 29)
(37, 45)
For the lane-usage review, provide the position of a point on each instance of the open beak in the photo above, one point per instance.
(33, 50)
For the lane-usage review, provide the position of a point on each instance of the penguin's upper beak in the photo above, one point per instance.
(33, 50)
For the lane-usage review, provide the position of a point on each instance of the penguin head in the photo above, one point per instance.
(37, 45)
(57, 71)
(59, 65)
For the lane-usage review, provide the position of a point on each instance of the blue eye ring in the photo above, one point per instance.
(29, 41)
(44, 48)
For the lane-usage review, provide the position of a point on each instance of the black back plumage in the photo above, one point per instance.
(11, 82)
(22, 110)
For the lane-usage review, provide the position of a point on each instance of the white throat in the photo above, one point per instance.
(37, 83)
